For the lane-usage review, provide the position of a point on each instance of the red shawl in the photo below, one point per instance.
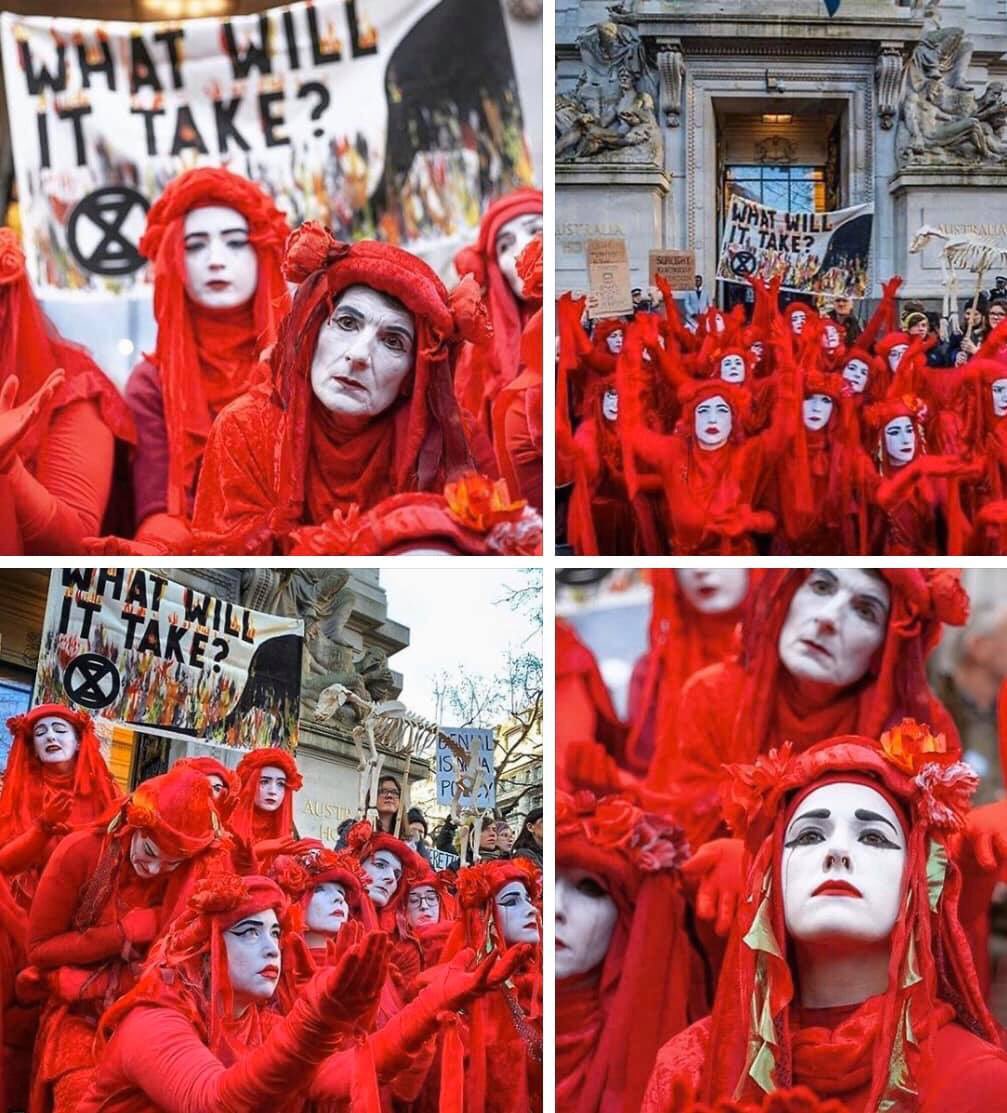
(208, 357)
(248, 822)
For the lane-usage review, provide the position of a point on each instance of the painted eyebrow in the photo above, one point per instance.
(225, 232)
(355, 313)
(818, 813)
(866, 816)
(247, 923)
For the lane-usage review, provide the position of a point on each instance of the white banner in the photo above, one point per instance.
(395, 119)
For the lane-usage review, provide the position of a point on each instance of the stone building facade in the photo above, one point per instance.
(899, 104)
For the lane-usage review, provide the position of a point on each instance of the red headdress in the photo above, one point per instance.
(877, 379)
(29, 784)
(416, 445)
(896, 685)
(809, 312)
(247, 821)
(362, 841)
(316, 864)
(736, 397)
(508, 314)
(32, 349)
(210, 766)
(645, 976)
(881, 413)
(753, 1048)
(178, 975)
(207, 357)
(479, 925)
(733, 350)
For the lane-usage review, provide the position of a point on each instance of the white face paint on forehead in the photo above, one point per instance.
(843, 863)
(895, 356)
(732, 369)
(586, 916)
(221, 265)
(614, 341)
(384, 870)
(713, 590)
(328, 909)
(855, 373)
(146, 858)
(364, 355)
(900, 440)
(55, 740)
(999, 389)
(817, 409)
(610, 405)
(712, 422)
(272, 788)
(836, 622)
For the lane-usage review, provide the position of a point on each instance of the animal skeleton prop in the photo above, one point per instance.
(963, 252)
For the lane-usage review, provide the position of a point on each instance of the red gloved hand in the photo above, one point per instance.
(346, 991)
(451, 987)
(589, 765)
(986, 835)
(16, 420)
(56, 809)
(891, 287)
(111, 545)
(717, 870)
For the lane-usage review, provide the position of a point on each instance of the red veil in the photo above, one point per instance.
(207, 357)
(250, 824)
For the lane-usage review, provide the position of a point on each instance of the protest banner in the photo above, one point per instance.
(335, 107)
(813, 253)
(677, 268)
(131, 646)
(444, 860)
(608, 278)
(448, 770)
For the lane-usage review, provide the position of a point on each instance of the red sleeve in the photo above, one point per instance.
(24, 850)
(235, 497)
(677, 1070)
(52, 940)
(65, 500)
(524, 455)
(150, 456)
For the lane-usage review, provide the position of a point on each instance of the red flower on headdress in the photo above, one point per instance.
(949, 599)
(479, 503)
(945, 794)
(747, 786)
(473, 888)
(911, 745)
(290, 875)
(309, 248)
(11, 257)
(529, 269)
(359, 835)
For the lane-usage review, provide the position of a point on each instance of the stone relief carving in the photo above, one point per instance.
(941, 120)
(610, 115)
(888, 73)
(775, 149)
(671, 68)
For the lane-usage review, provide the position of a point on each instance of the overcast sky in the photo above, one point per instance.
(452, 622)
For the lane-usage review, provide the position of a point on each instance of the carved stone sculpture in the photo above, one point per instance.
(941, 120)
(888, 73)
(610, 115)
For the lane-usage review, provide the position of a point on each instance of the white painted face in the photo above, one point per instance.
(836, 623)
(272, 788)
(385, 871)
(146, 858)
(253, 956)
(843, 863)
(610, 405)
(999, 397)
(55, 740)
(900, 440)
(585, 918)
(712, 422)
(895, 356)
(328, 909)
(518, 917)
(713, 590)
(614, 341)
(512, 239)
(817, 409)
(855, 373)
(365, 353)
(830, 338)
(221, 266)
(798, 319)
(218, 786)
(732, 369)
(423, 906)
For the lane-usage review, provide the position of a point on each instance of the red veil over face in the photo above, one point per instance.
(207, 357)
(609, 1028)
(251, 824)
(29, 784)
(754, 1042)
(32, 349)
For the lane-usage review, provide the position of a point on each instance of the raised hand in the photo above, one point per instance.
(891, 287)
(16, 420)
(348, 990)
(716, 870)
(56, 810)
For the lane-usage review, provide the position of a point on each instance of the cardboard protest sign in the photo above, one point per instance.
(677, 268)
(813, 253)
(478, 741)
(608, 278)
(335, 107)
(131, 646)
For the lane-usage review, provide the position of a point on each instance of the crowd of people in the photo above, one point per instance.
(783, 431)
(304, 395)
(772, 890)
(181, 949)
